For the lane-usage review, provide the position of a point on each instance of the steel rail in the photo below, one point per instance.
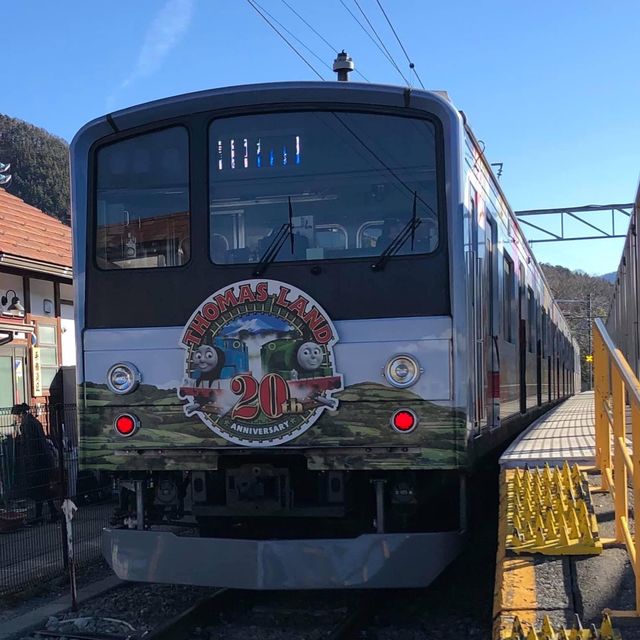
(355, 619)
(181, 626)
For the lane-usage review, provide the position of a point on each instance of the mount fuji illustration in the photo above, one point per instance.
(255, 324)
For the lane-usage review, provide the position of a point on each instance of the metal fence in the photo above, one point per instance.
(38, 470)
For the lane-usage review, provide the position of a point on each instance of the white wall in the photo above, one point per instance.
(8, 281)
(41, 290)
(68, 335)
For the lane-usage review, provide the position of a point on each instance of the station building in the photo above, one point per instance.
(36, 308)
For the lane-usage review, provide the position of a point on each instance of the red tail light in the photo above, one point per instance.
(126, 424)
(404, 420)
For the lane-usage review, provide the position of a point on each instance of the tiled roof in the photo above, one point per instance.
(27, 232)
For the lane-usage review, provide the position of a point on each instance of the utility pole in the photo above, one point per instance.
(589, 317)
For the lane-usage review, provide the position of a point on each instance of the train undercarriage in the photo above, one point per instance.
(266, 522)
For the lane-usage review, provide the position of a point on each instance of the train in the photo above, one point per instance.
(327, 315)
(624, 312)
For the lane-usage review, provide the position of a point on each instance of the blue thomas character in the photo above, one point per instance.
(236, 356)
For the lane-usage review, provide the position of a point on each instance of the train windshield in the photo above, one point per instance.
(347, 183)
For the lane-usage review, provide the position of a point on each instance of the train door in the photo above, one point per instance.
(484, 323)
(522, 338)
(539, 321)
(491, 330)
(476, 407)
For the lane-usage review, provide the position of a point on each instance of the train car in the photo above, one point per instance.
(363, 221)
(624, 312)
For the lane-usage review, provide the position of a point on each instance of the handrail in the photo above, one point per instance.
(620, 361)
(615, 381)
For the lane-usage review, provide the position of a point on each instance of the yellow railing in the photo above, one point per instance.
(617, 397)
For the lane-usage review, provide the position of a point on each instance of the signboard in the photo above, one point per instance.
(259, 364)
(36, 371)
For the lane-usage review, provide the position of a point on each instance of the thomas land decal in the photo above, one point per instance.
(259, 364)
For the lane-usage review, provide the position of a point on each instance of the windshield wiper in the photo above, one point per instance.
(408, 231)
(272, 251)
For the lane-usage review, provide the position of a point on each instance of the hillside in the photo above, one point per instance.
(39, 166)
(576, 285)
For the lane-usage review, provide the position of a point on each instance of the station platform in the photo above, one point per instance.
(559, 583)
(566, 433)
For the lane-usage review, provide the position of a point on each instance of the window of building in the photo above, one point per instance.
(142, 207)
(6, 382)
(48, 345)
(508, 299)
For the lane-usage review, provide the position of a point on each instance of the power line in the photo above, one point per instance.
(333, 49)
(315, 55)
(382, 162)
(264, 17)
(389, 54)
(355, 17)
(411, 65)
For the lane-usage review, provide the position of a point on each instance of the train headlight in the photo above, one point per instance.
(402, 371)
(123, 378)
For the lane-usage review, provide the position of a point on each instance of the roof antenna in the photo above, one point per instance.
(343, 66)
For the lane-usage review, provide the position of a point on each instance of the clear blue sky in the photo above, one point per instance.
(550, 87)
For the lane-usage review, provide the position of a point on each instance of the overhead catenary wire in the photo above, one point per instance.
(313, 53)
(310, 27)
(391, 171)
(355, 17)
(331, 47)
(252, 4)
(411, 65)
(382, 46)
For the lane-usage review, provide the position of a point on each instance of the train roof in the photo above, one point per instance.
(248, 95)
(238, 97)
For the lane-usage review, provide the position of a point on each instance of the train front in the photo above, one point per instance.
(267, 336)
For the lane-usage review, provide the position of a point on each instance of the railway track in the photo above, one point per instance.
(231, 614)
(284, 615)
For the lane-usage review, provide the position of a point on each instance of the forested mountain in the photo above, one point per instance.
(576, 285)
(39, 166)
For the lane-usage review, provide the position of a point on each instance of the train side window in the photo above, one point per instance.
(142, 205)
(508, 299)
(521, 287)
(531, 320)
